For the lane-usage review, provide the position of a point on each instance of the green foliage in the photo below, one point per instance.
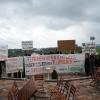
(98, 49)
(14, 52)
(20, 52)
(48, 50)
(53, 50)
(78, 49)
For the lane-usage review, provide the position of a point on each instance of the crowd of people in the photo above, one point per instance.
(92, 62)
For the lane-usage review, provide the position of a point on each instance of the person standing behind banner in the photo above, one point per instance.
(92, 64)
(87, 65)
(97, 61)
(0, 73)
(54, 74)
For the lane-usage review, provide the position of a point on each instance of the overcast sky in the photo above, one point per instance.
(46, 21)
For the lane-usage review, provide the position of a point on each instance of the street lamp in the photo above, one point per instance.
(92, 38)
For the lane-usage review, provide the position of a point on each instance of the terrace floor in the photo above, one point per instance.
(85, 89)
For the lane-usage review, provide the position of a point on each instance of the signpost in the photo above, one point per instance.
(89, 48)
(26, 46)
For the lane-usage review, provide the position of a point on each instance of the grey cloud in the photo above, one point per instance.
(57, 23)
(94, 28)
(72, 9)
(58, 12)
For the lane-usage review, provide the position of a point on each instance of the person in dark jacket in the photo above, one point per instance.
(92, 64)
(87, 65)
(0, 72)
(97, 61)
(54, 74)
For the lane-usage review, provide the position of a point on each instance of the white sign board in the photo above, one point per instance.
(89, 48)
(14, 64)
(3, 53)
(61, 62)
(27, 45)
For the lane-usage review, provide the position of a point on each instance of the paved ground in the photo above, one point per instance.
(5, 85)
(84, 89)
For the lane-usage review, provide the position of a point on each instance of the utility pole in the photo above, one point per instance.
(23, 64)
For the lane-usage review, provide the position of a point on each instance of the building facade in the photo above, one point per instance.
(66, 45)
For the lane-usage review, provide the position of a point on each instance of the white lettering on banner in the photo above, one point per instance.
(56, 59)
(14, 64)
(62, 62)
(34, 71)
(38, 64)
